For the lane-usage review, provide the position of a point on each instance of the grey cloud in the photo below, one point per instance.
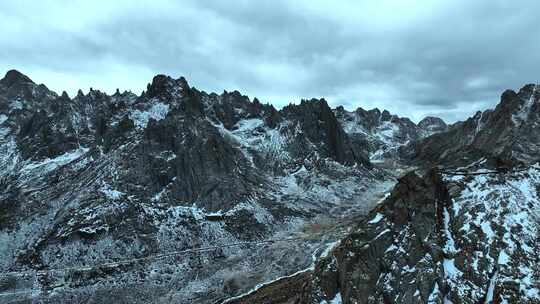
(451, 60)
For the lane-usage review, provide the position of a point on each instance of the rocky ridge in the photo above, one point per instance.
(383, 133)
(509, 132)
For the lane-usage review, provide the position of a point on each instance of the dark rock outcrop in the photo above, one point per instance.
(395, 254)
(510, 132)
(432, 125)
(318, 122)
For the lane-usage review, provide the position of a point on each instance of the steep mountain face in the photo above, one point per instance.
(322, 124)
(384, 133)
(509, 132)
(93, 187)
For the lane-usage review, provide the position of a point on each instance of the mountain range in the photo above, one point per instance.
(177, 195)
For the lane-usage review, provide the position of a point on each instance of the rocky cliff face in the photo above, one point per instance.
(393, 255)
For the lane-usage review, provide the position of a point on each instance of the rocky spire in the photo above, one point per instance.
(14, 77)
(321, 127)
(165, 86)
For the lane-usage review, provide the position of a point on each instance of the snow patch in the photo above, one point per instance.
(50, 164)
(336, 300)
(434, 295)
(450, 245)
(111, 193)
(376, 219)
(157, 111)
(450, 269)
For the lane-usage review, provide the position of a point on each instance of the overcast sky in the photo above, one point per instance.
(414, 58)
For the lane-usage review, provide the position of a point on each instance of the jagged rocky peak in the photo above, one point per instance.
(14, 77)
(98, 178)
(432, 125)
(510, 131)
(382, 132)
(17, 85)
(231, 107)
(319, 123)
(523, 105)
(166, 87)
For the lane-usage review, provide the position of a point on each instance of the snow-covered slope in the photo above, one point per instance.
(494, 223)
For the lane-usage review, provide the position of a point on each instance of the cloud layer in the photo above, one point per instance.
(414, 58)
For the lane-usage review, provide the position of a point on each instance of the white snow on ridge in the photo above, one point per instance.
(9, 156)
(336, 300)
(16, 105)
(157, 111)
(386, 131)
(353, 126)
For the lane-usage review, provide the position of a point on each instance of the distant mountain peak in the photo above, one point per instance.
(13, 77)
(509, 132)
(163, 85)
(432, 124)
